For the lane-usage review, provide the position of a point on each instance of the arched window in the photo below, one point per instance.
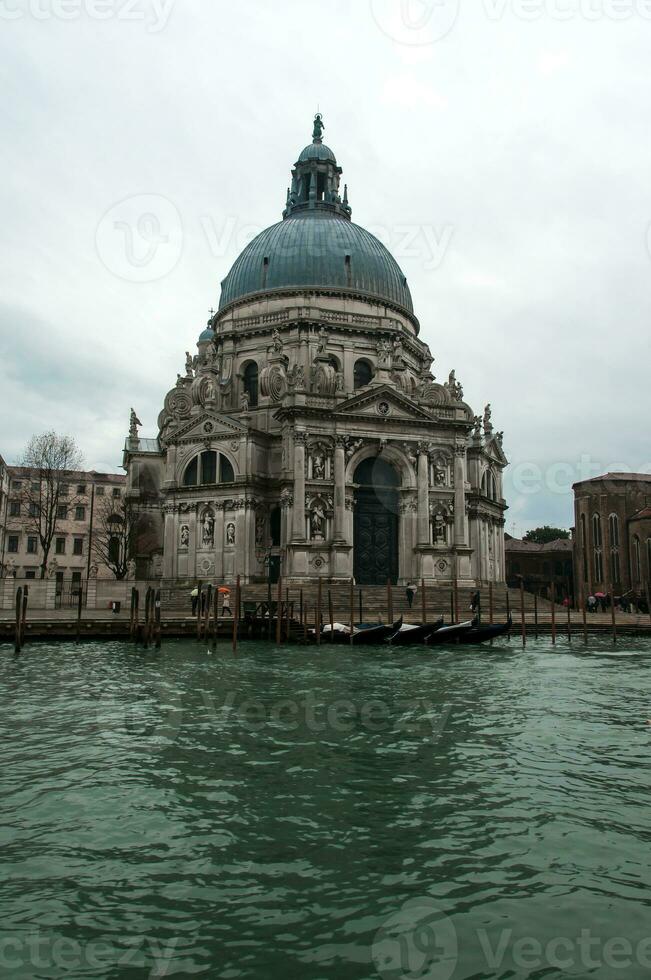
(637, 559)
(648, 559)
(363, 374)
(613, 528)
(613, 523)
(207, 469)
(597, 545)
(275, 526)
(114, 550)
(251, 383)
(584, 547)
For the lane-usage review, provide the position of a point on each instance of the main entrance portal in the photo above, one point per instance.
(376, 523)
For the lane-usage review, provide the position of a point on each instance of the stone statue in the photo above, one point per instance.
(134, 422)
(398, 350)
(339, 381)
(477, 430)
(318, 520)
(384, 353)
(93, 571)
(318, 467)
(208, 530)
(52, 568)
(276, 342)
(131, 569)
(319, 126)
(244, 401)
(185, 536)
(488, 415)
(323, 341)
(210, 391)
(440, 474)
(189, 365)
(500, 439)
(454, 387)
(230, 534)
(439, 528)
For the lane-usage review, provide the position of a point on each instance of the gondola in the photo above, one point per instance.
(450, 634)
(373, 635)
(413, 635)
(481, 634)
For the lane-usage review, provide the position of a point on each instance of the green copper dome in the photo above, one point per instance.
(319, 250)
(316, 245)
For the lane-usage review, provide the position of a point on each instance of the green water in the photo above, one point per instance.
(326, 814)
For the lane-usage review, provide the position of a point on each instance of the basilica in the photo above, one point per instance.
(308, 436)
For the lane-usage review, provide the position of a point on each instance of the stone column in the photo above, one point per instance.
(340, 491)
(423, 497)
(299, 487)
(170, 546)
(220, 542)
(460, 520)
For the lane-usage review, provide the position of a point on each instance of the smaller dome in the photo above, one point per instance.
(207, 334)
(317, 151)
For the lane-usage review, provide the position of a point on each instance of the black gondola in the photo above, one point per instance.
(450, 634)
(375, 634)
(414, 635)
(481, 634)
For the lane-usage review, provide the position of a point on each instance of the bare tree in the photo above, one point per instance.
(122, 530)
(51, 459)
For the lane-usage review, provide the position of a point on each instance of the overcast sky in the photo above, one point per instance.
(502, 150)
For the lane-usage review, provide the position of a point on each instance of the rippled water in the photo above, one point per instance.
(335, 813)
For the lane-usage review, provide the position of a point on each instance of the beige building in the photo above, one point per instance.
(86, 496)
(308, 435)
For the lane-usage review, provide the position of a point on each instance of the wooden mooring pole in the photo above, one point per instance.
(80, 600)
(23, 617)
(159, 635)
(456, 596)
(361, 606)
(648, 597)
(206, 613)
(423, 601)
(352, 609)
(389, 601)
(215, 619)
(612, 612)
(199, 594)
(491, 610)
(132, 610)
(553, 599)
(535, 612)
(236, 614)
(331, 613)
(585, 620)
(522, 615)
(569, 622)
(136, 614)
(319, 600)
(19, 616)
(279, 603)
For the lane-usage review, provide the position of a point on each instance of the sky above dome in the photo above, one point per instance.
(501, 150)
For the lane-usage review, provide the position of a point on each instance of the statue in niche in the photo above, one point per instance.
(318, 467)
(339, 381)
(208, 530)
(185, 536)
(276, 341)
(440, 474)
(398, 351)
(439, 528)
(131, 569)
(210, 391)
(230, 534)
(244, 401)
(323, 341)
(318, 520)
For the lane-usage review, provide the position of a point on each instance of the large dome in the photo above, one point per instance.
(321, 250)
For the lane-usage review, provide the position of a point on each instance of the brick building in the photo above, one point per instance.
(540, 565)
(613, 533)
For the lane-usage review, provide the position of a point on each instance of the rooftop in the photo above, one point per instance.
(90, 476)
(616, 478)
(531, 547)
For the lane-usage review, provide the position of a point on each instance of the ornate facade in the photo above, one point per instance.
(308, 433)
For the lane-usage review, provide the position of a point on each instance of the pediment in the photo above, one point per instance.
(494, 450)
(374, 402)
(208, 425)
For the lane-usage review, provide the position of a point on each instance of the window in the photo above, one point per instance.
(35, 487)
(114, 550)
(16, 484)
(597, 553)
(12, 544)
(100, 491)
(64, 489)
(60, 546)
(30, 574)
(584, 547)
(637, 559)
(81, 488)
(62, 512)
(14, 508)
(274, 526)
(613, 528)
(80, 513)
(516, 568)
(117, 492)
(363, 374)
(208, 468)
(78, 546)
(251, 384)
(76, 581)
(34, 509)
(32, 545)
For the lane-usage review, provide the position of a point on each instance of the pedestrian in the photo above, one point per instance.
(194, 596)
(592, 604)
(474, 602)
(411, 593)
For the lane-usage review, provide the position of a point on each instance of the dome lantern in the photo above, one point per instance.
(315, 179)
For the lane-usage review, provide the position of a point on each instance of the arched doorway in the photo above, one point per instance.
(376, 522)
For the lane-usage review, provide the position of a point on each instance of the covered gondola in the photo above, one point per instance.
(414, 635)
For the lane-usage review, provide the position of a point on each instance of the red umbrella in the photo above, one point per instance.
(600, 595)
(224, 590)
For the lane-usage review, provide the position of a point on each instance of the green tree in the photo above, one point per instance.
(543, 535)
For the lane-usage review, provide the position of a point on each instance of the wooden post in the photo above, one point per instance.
(331, 612)
(535, 612)
(361, 606)
(352, 609)
(423, 601)
(199, 611)
(319, 600)
(215, 621)
(456, 596)
(159, 637)
(585, 619)
(301, 605)
(389, 602)
(569, 621)
(522, 616)
(490, 603)
(19, 614)
(553, 598)
(23, 618)
(207, 611)
(133, 607)
(145, 639)
(279, 602)
(452, 607)
(287, 627)
(236, 615)
(612, 612)
(136, 615)
(648, 598)
(80, 599)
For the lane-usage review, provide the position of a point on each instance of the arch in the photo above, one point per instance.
(208, 468)
(376, 472)
(363, 373)
(637, 559)
(250, 383)
(390, 454)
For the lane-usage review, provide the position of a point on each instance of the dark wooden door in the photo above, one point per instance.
(376, 538)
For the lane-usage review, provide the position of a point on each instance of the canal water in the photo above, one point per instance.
(444, 814)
